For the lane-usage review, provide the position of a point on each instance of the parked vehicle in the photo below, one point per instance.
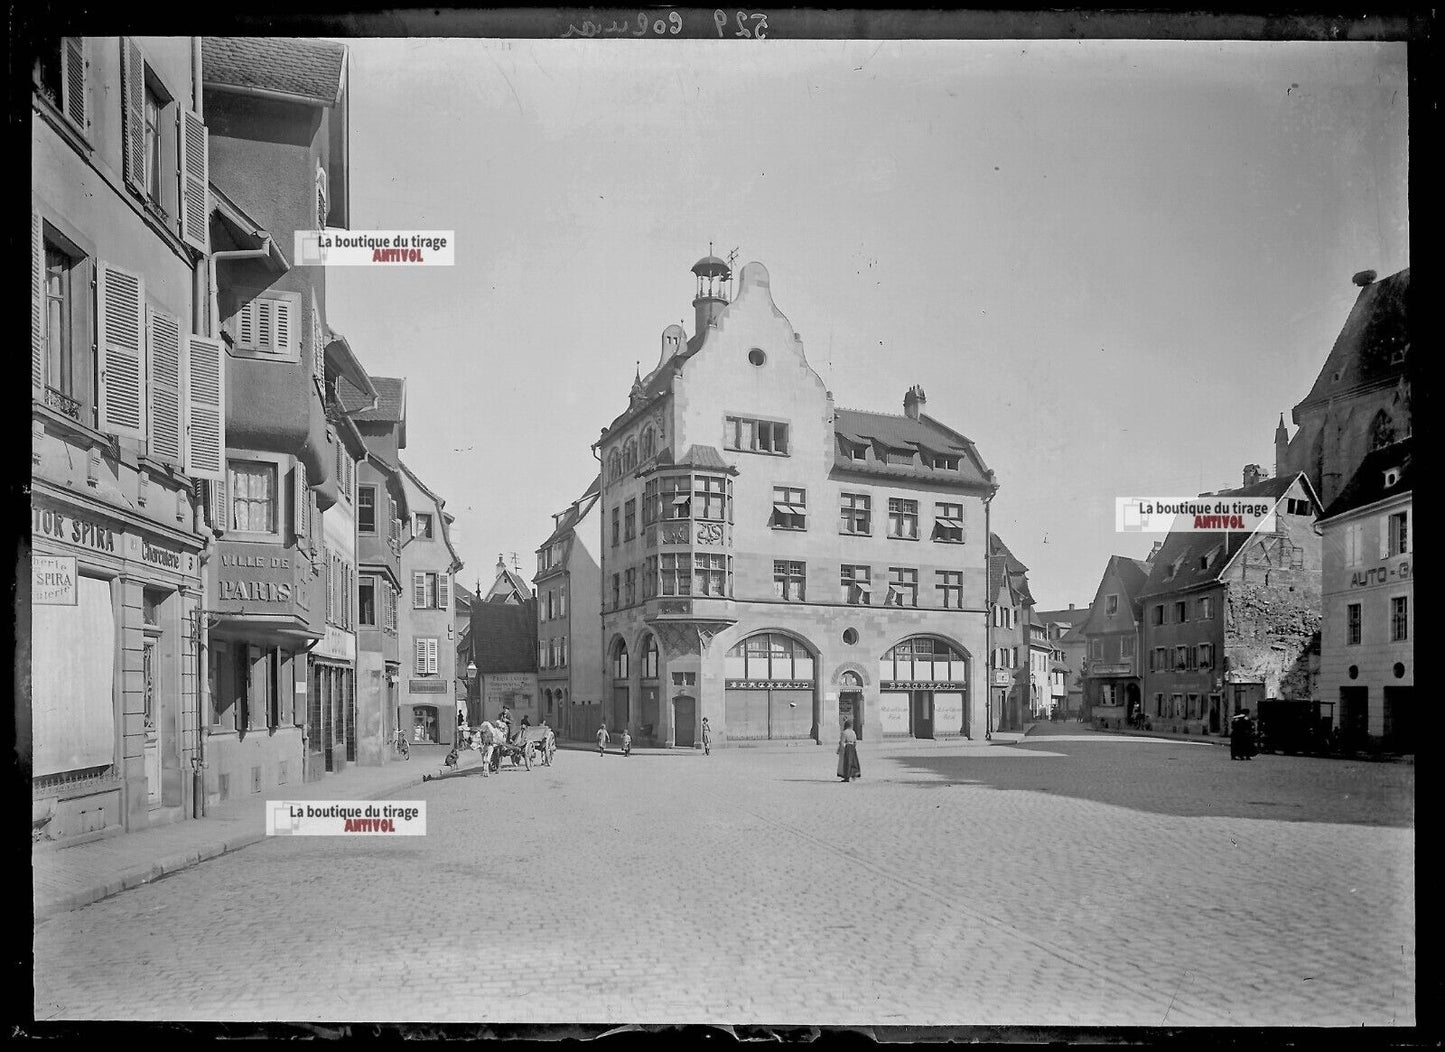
(1295, 727)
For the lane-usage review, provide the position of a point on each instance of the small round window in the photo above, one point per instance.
(850, 636)
(756, 356)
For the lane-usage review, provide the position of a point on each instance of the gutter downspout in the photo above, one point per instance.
(988, 607)
(204, 322)
(602, 551)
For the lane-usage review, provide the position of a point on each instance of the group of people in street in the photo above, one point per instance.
(604, 737)
(491, 738)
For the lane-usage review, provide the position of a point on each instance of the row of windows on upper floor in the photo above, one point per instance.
(711, 576)
(421, 524)
(741, 434)
(709, 499)
(1391, 530)
(1398, 624)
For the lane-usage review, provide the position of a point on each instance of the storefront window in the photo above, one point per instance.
(424, 724)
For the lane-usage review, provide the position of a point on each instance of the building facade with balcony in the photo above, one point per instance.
(1231, 619)
(569, 618)
(1367, 660)
(428, 710)
(776, 564)
(1110, 631)
(126, 416)
(280, 680)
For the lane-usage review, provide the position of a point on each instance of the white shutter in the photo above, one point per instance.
(419, 662)
(281, 326)
(418, 591)
(216, 504)
(163, 364)
(205, 392)
(195, 214)
(119, 295)
(431, 656)
(244, 325)
(37, 301)
(318, 342)
(300, 500)
(265, 334)
(1384, 537)
(133, 93)
(444, 599)
(72, 88)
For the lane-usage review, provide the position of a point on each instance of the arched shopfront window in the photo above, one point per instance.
(620, 667)
(769, 656)
(649, 658)
(923, 659)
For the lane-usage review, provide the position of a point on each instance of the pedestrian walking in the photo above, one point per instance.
(626, 742)
(602, 737)
(549, 744)
(1241, 736)
(706, 738)
(848, 767)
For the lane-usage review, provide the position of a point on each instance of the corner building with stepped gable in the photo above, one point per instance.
(776, 564)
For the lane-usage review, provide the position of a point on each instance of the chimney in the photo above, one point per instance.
(1150, 557)
(1253, 475)
(913, 402)
(1363, 278)
(1071, 606)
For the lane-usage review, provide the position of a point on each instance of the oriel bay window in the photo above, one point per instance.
(676, 491)
(713, 575)
(366, 509)
(676, 574)
(710, 498)
(253, 496)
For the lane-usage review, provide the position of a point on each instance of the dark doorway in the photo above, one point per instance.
(1400, 719)
(922, 713)
(684, 721)
(850, 707)
(1354, 714)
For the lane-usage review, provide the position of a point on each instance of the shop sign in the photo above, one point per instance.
(1381, 575)
(157, 555)
(52, 580)
(426, 686)
(1002, 677)
(768, 684)
(254, 573)
(921, 684)
(47, 522)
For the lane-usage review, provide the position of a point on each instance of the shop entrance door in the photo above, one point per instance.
(923, 714)
(152, 725)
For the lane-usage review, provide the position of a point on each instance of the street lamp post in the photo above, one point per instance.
(471, 681)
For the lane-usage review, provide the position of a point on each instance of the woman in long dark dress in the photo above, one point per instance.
(848, 768)
(1241, 737)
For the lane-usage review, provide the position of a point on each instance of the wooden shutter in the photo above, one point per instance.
(119, 295)
(418, 591)
(318, 343)
(281, 326)
(300, 501)
(1384, 536)
(444, 599)
(72, 87)
(133, 94)
(37, 301)
(419, 657)
(431, 657)
(216, 504)
(205, 394)
(195, 172)
(164, 366)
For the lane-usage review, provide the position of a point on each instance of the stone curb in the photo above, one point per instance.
(136, 876)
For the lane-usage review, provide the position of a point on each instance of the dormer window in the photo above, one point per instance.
(1392, 477)
(1173, 570)
(856, 452)
(1207, 558)
(945, 463)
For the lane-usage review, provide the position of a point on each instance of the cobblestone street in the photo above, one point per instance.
(1071, 879)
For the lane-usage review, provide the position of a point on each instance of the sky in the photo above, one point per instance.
(1110, 264)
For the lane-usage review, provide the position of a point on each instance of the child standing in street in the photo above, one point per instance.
(602, 739)
(706, 738)
(626, 742)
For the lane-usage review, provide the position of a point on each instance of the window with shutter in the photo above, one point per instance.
(133, 86)
(432, 651)
(216, 505)
(300, 501)
(195, 173)
(119, 296)
(164, 367)
(318, 343)
(204, 390)
(444, 601)
(73, 103)
(265, 323)
(419, 657)
(418, 591)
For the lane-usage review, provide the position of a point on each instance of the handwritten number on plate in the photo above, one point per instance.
(742, 29)
(720, 19)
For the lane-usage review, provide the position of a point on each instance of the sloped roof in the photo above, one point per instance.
(1364, 352)
(1064, 617)
(1188, 547)
(1367, 484)
(504, 636)
(1002, 565)
(351, 397)
(695, 456)
(444, 518)
(509, 585)
(889, 431)
(390, 400)
(575, 513)
(306, 68)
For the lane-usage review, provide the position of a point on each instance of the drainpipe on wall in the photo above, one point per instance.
(988, 608)
(202, 302)
(602, 552)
